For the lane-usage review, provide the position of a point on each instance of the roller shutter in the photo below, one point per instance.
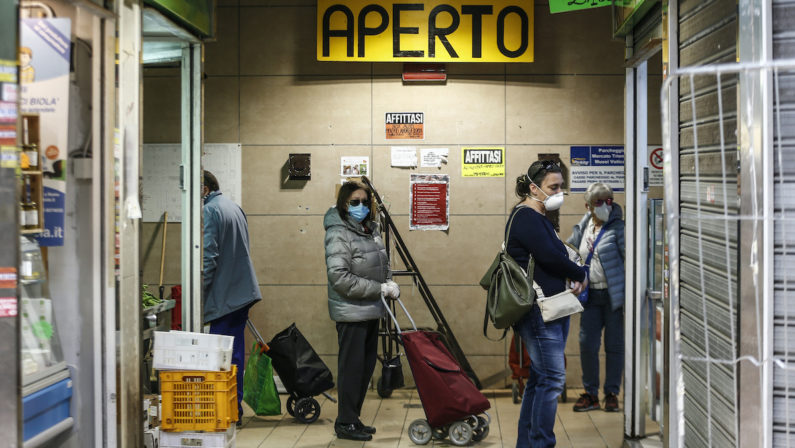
(708, 280)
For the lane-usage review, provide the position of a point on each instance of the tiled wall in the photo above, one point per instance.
(265, 90)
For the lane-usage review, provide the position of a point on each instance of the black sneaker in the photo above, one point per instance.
(350, 431)
(587, 402)
(611, 403)
(364, 428)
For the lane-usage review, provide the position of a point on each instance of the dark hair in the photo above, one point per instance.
(344, 195)
(536, 174)
(210, 181)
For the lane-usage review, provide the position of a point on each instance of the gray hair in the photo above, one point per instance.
(597, 190)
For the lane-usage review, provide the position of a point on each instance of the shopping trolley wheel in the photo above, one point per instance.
(460, 433)
(383, 392)
(420, 431)
(481, 431)
(307, 410)
(291, 405)
(440, 433)
(515, 393)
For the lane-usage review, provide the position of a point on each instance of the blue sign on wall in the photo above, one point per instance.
(591, 164)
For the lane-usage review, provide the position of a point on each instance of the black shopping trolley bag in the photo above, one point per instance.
(301, 370)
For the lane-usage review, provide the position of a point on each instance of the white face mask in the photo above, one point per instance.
(551, 203)
(602, 212)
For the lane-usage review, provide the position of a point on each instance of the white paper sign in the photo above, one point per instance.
(355, 166)
(404, 156)
(434, 157)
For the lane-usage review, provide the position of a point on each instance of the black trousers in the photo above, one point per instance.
(358, 353)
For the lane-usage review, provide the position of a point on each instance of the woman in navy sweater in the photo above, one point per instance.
(532, 234)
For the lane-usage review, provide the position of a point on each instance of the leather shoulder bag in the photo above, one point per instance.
(510, 288)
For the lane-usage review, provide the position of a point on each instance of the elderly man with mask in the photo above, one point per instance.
(230, 285)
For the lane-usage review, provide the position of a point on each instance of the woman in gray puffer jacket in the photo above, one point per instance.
(358, 274)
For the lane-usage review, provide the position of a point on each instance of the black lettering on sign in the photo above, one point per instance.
(477, 12)
(347, 32)
(364, 30)
(441, 33)
(501, 31)
(397, 30)
(592, 2)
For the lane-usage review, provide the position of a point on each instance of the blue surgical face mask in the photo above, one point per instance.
(358, 212)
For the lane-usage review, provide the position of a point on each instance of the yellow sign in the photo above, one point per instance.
(483, 162)
(430, 31)
(8, 71)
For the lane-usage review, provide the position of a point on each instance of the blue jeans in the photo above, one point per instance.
(234, 324)
(545, 342)
(598, 314)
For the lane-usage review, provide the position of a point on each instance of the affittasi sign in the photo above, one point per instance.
(430, 31)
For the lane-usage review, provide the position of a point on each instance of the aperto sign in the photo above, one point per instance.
(430, 31)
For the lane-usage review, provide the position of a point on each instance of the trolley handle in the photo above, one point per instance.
(254, 331)
(394, 319)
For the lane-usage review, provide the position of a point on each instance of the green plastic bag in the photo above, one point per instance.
(259, 389)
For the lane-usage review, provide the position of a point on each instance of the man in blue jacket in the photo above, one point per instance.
(230, 285)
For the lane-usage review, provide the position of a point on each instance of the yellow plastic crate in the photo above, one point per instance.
(196, 400)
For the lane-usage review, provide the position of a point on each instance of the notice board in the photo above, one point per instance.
(160, 182)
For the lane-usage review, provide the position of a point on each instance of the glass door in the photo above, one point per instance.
(652, 310)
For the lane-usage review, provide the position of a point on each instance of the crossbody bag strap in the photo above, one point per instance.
(593, 250)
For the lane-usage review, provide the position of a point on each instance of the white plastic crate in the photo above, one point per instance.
(224, 439)
(181, 350)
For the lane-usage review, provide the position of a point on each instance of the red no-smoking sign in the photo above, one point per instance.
(656, 158)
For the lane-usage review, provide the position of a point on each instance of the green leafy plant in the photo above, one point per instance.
(148, 298)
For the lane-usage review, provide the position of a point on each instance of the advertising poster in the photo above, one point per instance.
(591, 164)
(405, 125)
(44, 75)
(430, 202)
(483, 162)
(655, 166)
(354, 166)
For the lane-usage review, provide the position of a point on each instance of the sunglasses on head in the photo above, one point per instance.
(356, 202)
(599, 202)
(545, 165)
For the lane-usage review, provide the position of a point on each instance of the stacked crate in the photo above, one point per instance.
(198, 386)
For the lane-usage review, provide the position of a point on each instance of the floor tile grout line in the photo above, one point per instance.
(499, 420)
(598, 430)
(565, 431)
(272, 428)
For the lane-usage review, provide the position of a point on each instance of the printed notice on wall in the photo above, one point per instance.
(483, 162)
(430, 202)
(433, 157)
(404, 156)
(405, 125)
(655, 166)
(591, 164)
(354, 166)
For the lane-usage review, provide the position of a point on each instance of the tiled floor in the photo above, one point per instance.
(393, 415)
